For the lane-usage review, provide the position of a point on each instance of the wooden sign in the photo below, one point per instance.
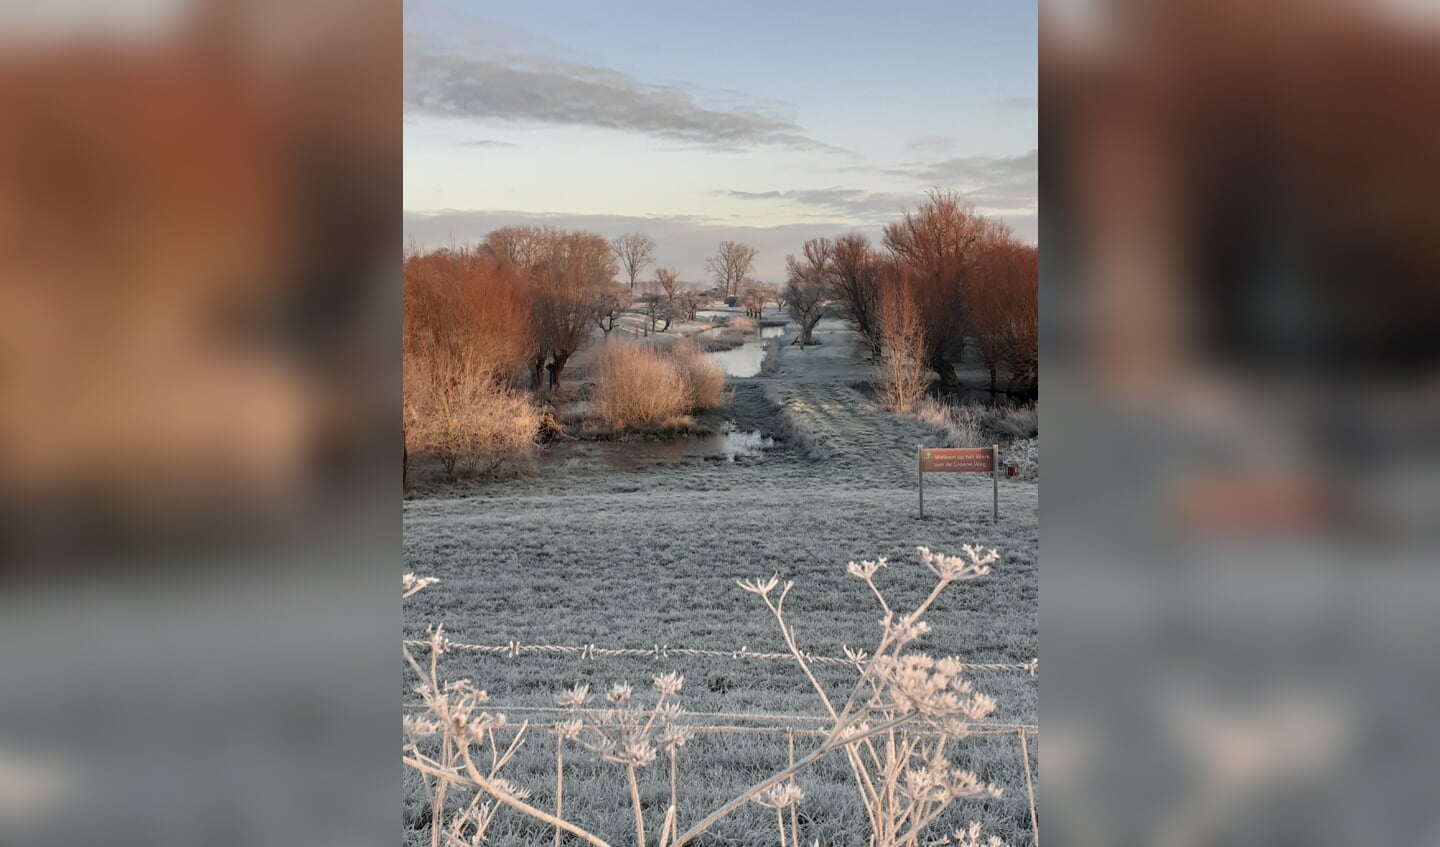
(943, 459)
(960, 460)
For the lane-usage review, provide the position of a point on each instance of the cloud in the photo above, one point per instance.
(850, 203)
(1017, 104)
(998, 183)
(486, 142)
(932, 145)
(1002, 186)
(528, 88)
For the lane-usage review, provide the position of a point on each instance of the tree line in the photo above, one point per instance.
(945, 281)
(529, 297)
(478, 318)
(969, 282)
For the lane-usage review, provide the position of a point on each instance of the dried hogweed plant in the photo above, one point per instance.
(456, 716)
(904, 712)
(896, 728)
(625, 733)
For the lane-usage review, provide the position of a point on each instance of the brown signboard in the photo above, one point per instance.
(942, 459)
(960, 459)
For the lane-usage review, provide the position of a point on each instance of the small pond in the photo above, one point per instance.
(744, 361)
(724, 446)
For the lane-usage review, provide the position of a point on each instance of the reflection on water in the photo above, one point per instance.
(745, 444)
(744, 361)
(632, 455)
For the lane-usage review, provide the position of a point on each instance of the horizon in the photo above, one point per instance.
(753, 123)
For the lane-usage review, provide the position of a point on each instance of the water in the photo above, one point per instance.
(745, 361)
(751, 443)
(724, 446)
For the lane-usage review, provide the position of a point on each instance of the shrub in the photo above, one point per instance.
(638, 385)
(465, 334)
(962, 425)
(703, 378)
(463, 304)
(976, 426)
(903, 373)
(741, 324)
(1013, 421)
(457, 414)
(934, 412)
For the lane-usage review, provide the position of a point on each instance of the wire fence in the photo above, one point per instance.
(759, 723)
(515, 649)
(791, 726)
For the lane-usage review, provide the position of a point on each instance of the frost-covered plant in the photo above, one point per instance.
(970, 837)
(913, 703)
(412, 585)
(895, 729)
(455, 714)
(627, 734)
(463, 729)
(786, 795)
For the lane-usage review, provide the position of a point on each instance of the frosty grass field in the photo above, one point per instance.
(645, 553)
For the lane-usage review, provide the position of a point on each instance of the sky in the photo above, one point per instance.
(762, 122)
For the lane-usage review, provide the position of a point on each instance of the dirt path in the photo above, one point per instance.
(822, 395)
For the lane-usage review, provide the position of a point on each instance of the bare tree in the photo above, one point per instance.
(634, 250)
(807, 288)
(668, 280)
(1004, 313)
(687, 304)
(565, 270)
(656, 309)
(768, 294)
(519, 245)
(731, 264)
(752, 299)
(610, 303)
(855, 279)
(933, 250)
(901, 368)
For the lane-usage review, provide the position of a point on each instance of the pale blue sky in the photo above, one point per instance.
(765, 122)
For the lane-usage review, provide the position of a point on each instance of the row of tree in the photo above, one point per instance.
(966, 277)
(526, 299)
(731, 265)
(532, 295)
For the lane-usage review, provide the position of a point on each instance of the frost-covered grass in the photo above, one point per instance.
(585, 553)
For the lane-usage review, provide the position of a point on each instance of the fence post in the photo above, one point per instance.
(1029, 789)
(920, 474)
(995, 478)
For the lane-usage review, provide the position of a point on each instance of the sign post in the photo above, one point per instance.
(920, 472)
(995, 480)
(960, 460)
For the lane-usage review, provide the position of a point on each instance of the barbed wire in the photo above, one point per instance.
(515, 649)
(763, 723)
